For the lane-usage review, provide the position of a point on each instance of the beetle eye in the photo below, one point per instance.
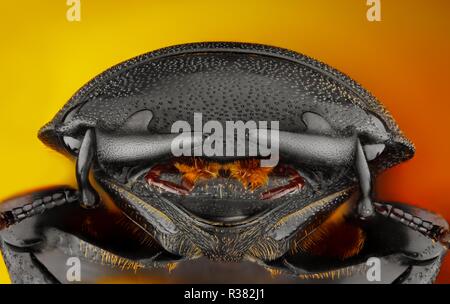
(72, 144)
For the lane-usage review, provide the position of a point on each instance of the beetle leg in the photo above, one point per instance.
(310, 149)
(365, 206)
(119, 148)
(89, 198)
(296, 183)
(328, 151)
(153, 178)
(16, 209)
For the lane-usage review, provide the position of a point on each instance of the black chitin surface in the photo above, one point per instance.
(229, 81)
(334, 134)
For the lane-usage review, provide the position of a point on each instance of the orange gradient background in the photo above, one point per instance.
(404, 60)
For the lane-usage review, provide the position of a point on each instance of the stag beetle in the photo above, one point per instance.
(312, 217)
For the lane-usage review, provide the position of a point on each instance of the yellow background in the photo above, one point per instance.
(404, 60)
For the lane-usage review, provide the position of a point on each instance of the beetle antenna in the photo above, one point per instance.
(21, 207)
(89, 197)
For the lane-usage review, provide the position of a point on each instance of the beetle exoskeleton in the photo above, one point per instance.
(314, 210)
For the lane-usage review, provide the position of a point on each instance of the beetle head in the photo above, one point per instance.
(219, 218)
(127, 113)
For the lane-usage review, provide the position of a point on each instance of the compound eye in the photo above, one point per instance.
(72, 144)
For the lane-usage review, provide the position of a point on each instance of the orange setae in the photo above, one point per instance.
(249, 172)
(197, 170)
